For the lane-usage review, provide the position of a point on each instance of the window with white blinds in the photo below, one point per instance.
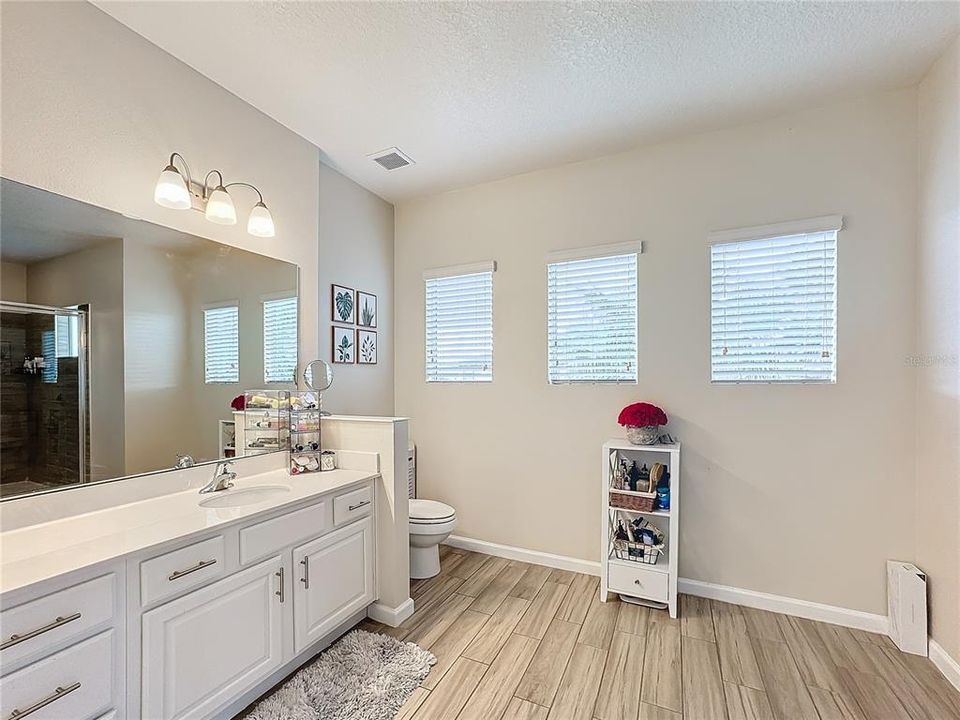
(280, 340)
(774, 309)
(459, 320)
(592, 320)
(61, 342)
(48, 348)
(221, 344)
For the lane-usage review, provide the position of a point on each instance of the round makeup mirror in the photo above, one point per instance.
(318, 375)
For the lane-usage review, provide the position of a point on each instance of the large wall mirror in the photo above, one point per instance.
(123, 343)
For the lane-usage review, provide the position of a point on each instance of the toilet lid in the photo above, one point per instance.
(430, 510)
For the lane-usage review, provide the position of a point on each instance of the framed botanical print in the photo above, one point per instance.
(366, 347)
(366, 309)
(342, 304)
(344, 346)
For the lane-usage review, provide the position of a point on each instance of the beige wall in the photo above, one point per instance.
(787, 489)
(13, 282)
(95, 277)
(938, 347)
(159, 417)
(356, 233)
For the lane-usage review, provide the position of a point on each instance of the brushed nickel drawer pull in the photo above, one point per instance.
(199, 566)
(17, 639)
(57, 694)
(306, 572)
(351, 508)
(280, 591)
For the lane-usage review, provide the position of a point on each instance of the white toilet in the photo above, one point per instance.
(431, 523)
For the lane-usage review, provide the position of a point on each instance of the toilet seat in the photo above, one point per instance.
(430, 512)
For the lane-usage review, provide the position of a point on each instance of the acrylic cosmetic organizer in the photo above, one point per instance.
(304, 423)
(266, 421)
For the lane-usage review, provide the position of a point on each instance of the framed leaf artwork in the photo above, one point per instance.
(344, 345)
(342, 304)
(366, 347)
(366, 309)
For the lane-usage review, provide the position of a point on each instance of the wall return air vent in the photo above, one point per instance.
(391, 159)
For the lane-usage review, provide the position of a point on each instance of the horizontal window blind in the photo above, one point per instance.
(48, 348)
(280, 340)
(459, 320)
(592, 320)
(221, 345)
(774, 309)
(68, 335)
(61, 342)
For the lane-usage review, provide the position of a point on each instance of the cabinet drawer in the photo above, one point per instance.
(352, 505)
(639, 582)
(75, 683)
(173, 572)
(37, 626)
(271, 536)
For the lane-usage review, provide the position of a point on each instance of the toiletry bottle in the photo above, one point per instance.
(643, 483)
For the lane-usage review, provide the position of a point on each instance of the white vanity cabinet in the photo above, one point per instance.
(247, 601)
(203, 649)
(334, 580)
(198, 611)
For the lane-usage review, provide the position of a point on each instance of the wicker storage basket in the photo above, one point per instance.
(636, 501)
(637, 552)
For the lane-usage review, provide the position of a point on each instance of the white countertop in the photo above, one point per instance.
(42, 551)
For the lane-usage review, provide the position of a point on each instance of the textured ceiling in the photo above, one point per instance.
(481, 90)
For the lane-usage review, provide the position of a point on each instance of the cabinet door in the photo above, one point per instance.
(334, 580)
(204, 649)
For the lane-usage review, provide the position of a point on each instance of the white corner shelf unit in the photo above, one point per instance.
(654, 585)
(227, 438)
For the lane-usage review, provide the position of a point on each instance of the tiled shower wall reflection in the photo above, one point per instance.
(39, 413)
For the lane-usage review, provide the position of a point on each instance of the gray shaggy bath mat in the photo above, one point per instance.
(363, 676)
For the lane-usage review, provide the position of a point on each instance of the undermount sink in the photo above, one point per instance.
(244, 496)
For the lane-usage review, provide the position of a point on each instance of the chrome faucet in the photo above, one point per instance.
(222, 478)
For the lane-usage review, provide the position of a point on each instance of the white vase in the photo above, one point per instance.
(643, 434)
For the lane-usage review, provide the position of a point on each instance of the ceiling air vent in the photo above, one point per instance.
(391, 159)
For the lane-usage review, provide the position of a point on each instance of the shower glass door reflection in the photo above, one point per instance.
(44, 395)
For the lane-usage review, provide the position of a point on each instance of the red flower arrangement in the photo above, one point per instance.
(642, 415)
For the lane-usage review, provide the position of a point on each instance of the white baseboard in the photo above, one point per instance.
(389, 615)
(786, 605)
(534, 557)
(949, 667)
(737, 596)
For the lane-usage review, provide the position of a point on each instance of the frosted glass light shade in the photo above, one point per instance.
(171, 190)
(220, 207)
(261, 221)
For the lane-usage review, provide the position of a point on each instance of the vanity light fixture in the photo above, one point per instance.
(179, 191)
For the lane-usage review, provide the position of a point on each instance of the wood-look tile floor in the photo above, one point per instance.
(522, 642)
